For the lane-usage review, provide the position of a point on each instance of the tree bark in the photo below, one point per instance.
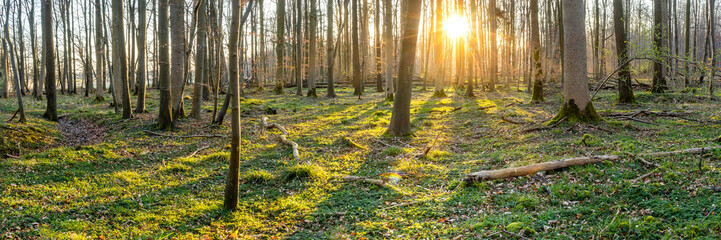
(537, 95)
(493, 67)
(231, 184)
(330, 53)
(200, 54)
(356, 51)
(141, 71)
(165, 114)
(51, 112)
(279, 47)
(312, 68)
(659, 81)
(625, 92)
(99, 73)
(400, 124)
(577, 106)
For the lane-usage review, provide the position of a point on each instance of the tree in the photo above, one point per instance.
(388, 44)
(119, 47)
(377, 39)
(165, 114)
(141, 71)
(20, 60)
(51, 112)
(99, 78)
(536, 54)
(438, 48)
(330, 50)
(356, 52)
(493, 66)
(279, 45)
(231, 184)
(298, 56)
(200, 54)
(400, 124)
(577, 105)
(687, 77)
(712, 27)
(658, 84)
(9, 48)
(37, 85)
(177, 58)
(313, 71)
(625, 92)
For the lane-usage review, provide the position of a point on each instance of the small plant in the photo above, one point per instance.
(392, 151)
(303, 171)
(257, 176)
(175, 168)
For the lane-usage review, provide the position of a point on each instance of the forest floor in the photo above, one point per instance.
(96, 176)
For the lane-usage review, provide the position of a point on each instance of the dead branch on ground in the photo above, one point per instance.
(283, 137)
(184, 136)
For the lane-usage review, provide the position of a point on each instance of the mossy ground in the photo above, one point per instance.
(133, 185)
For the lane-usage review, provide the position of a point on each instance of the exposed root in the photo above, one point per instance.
(283, 137)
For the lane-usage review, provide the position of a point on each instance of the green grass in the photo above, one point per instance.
(139, 186)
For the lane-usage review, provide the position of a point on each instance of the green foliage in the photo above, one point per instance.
(303, 172)
(257, 176)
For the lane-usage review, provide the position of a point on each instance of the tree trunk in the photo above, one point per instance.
(687, 44)
(100, 74)
(37, 85)
(200, 54)
(313, 71)
(119, 46)
(577, 106)
(141, 70)
(298, 71)
(177, 61)
(165, 115)
(712, 26)
(51, 112)
(400, 124)
(388, 44)
(279, 47)
(9, 48)
(659, 81)
(625, 92)
(493, 67)
(330, 53)
(536, 52)
(231, 184)
(356, 51)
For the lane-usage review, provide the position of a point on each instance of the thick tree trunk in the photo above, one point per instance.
(279, 47)
(330, 53)
(400, 124)
(165, 114)
(493, 67)
(119, 46)
(177, 58)
(687, 44)
(37, 84)
(659, 81)
(200, 54)
(625, 92)
(51, 112)
(577, 106)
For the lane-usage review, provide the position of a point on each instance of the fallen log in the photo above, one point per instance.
(283, 137)
(548, 166)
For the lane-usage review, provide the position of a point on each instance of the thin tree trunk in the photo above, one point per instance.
(200, 54)
(141, 71)
(400, 124)
(119, 46)
(51, 112)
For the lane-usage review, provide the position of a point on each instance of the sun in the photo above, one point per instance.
(456, 26)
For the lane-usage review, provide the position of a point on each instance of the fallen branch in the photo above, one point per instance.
(283, 137)
(365, 180)
(548, 166)
(504, 118)
(486, 107)
(199, 149)
(544, 127)
(184, 136)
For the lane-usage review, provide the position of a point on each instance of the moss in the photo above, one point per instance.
(440, 93)
(537, 92)
(257, 176)
(570, 111)
(304, 171)
(278, 90)
(175, 168)
(312, 93)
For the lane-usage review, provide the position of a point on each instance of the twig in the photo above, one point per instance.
(711, 212)
(486, 107)
(15, 114)
(544, 128)
(609, 224)
(184, 136)
(199, 149)
(644, 176)
(12, 156)
(514, 234)
(637, 120)
(504, 118)
(428, 149)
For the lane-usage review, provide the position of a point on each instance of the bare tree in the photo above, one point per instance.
(200, 54)
(119, 47)
(99, 73)
(536, 52)
(279, 47)
(165, 114)
(625, 92)
(51, 112)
